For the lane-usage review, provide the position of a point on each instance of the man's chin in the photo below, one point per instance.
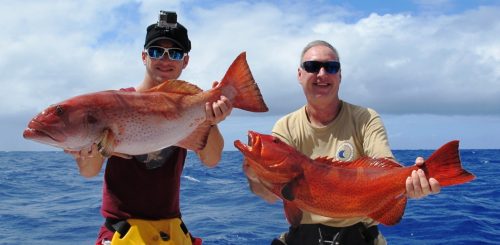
(162, 78)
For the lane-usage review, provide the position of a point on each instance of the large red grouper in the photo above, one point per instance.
(366, 187)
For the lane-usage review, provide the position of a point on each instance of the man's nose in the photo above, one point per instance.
(322, 72)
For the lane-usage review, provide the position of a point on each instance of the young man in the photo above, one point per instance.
(147, 187)
(328, 126)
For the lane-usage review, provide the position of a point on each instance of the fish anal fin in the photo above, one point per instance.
(176, 86)
(392, 212)
(292, 213)
(197, 140)
(365, 162)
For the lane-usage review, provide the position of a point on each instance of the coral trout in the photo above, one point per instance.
(366, 187)
(172, 113)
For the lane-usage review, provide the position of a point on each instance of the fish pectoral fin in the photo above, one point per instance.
(197, 140)
(292, 213)
(287, 192)
(289, 189)
(107, 143)
(392, 212)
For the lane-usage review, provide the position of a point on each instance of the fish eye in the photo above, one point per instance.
(91, 119)
(276, 140)
(59, 110)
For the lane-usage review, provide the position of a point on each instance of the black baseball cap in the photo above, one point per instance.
(174, 32)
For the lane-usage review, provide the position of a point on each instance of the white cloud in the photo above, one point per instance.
(398, 63)
(419, 64)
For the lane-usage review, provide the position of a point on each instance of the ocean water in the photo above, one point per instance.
(43, 200)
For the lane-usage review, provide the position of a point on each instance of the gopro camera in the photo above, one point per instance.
(167, 19)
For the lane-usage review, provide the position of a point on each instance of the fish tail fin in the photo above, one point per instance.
(240, 87)
(444, 165)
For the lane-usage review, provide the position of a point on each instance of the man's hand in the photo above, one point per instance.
(257, 186)
(88, 160)
(218, 110)
(84, 153)
(215, 113)
(417, 185)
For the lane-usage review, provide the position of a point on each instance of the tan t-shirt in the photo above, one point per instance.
(355, 132)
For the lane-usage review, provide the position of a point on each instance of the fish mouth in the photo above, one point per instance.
(35, 131)
(254, 146)
(259, 156)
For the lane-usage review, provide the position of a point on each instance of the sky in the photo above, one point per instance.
(431, 68)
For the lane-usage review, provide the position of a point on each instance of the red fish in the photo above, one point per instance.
(172, 113)
(366, 187)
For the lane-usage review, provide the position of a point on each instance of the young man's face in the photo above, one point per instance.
(164, 68)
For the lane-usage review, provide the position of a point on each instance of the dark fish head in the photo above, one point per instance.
(66, 125)
(270, 158)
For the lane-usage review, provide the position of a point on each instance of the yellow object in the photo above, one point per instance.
(153, 232)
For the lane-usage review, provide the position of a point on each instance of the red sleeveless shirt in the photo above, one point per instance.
(131, 190)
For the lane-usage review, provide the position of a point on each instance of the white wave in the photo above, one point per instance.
(191, 178)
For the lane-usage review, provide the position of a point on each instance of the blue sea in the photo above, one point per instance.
(43, 200)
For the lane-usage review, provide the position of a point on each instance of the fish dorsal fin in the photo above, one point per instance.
(176, 86)
(364, 162)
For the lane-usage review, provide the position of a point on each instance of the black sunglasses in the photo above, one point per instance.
(314, 66)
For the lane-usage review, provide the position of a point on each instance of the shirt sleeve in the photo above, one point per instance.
(375, 139)
(282, 131)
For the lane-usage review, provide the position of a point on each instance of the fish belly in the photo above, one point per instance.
(154, 132)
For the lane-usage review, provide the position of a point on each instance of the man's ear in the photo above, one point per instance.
(144, 57)
(186, 61)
